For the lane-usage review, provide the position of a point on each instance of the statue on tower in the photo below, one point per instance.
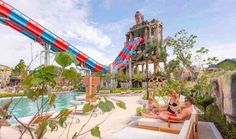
(139, 18)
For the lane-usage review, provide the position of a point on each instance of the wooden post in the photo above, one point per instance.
(91, 87)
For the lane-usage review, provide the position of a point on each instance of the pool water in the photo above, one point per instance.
(26, 107)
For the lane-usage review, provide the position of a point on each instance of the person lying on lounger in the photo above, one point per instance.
(185, 114)
(171, 108)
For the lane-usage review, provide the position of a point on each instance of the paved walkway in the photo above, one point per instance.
(208, 130)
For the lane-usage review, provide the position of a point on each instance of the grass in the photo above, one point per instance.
(2, 95)
(119, 90)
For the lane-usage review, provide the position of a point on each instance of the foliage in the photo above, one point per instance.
(65, 59)
(144, 96)
(122, 76)
(121, 105)
(169, 86)
(45, 78)
(121, 90)
(182, 44)
(139, 77)
(159, 74)
(106, 106)
(152, 45)
(87, 107)
(11, 94)
(140, 110)
(205, 100)
(227, 65)
(200, 55)
(96, 132)
(172, 67)
(20, 69)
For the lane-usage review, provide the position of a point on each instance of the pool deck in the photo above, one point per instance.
(117, 121)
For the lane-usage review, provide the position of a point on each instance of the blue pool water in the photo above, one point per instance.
(26, 107)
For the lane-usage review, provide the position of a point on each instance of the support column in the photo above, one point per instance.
(130, 72)
(47, 55)
(156, 67)
(142, 68)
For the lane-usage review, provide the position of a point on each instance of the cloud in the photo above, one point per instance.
(222, 51)
(67, 18)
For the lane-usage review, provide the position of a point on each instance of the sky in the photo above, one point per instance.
(98, 27)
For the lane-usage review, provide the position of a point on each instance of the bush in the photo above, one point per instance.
(11, 94)
(120, 90)
(138, 111)
(145, 96)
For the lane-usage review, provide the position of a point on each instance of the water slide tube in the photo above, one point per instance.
(25, 25)
(124, 56)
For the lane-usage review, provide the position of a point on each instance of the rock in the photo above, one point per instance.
(225, 93)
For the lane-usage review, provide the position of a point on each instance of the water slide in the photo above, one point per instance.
(25, 25)
(124, 56)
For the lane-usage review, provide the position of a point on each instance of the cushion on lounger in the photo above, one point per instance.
(157, 123)
(26, 120)
(136, 133)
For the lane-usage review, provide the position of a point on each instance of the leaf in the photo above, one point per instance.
(62, 121)
(63, 59)
(106, 106)
(36, 81)
(121, 105)
(87, 107)
(53, 125)
(51, 99)
(41, 128)
(64, 112)
(96, 132)
(70, 74)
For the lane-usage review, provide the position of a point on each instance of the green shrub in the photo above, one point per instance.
(145, 96)
(11, 94)
(138, 111)
(134, 89)
(120, 90)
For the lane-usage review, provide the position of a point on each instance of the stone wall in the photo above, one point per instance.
(225, 93)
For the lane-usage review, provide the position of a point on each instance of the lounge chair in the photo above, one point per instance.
(33, 120)
(187, 128)
(57, 116)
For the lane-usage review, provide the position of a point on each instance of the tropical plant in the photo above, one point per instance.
(201, 53)
(122, 76)
(182, 45)
(45, 78)
(205, 100)
(139, 77)
(20, 69)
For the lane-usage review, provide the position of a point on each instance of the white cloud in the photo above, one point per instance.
(66, 18)
(222, 51)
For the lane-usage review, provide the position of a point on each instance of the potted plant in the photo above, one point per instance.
(123, 78)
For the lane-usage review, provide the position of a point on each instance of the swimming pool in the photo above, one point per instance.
(26, 107)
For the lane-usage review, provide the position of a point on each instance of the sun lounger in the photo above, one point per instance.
(187, 129)
(57, 116)
(33, 120)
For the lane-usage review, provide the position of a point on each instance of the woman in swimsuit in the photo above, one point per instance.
(170, 109)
